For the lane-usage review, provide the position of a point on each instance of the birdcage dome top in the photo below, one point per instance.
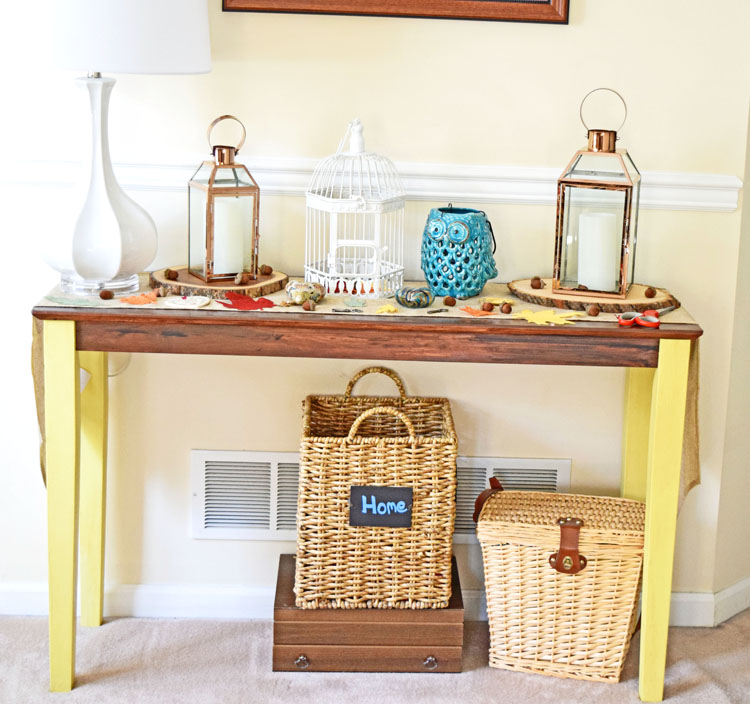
(355, 175)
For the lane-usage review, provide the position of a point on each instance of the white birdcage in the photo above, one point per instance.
(355, 222)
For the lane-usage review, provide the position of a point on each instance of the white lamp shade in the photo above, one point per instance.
(133, 36)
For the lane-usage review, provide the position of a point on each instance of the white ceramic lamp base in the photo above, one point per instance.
(114, 237)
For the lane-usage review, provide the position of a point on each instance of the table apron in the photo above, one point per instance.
(362, 343)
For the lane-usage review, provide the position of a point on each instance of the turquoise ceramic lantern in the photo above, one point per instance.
(458, 248)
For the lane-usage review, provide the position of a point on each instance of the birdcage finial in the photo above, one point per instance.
(357, 139)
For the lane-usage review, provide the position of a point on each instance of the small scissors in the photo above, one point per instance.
(646, 319)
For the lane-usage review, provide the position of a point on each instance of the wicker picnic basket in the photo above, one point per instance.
(563, 577)
(402, 441)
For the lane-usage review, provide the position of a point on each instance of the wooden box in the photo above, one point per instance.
(365, 640)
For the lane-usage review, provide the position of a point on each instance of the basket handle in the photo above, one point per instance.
(376, 370)
(382, 410)
(495, 486)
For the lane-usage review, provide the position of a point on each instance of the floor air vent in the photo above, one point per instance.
(253, 495)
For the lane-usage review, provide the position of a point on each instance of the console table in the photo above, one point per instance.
(76, 422)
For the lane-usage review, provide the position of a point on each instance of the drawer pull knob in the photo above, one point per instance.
(430, 663)
(302, 662)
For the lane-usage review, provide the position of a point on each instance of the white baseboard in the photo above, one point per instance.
(152, 600)
(23, 599)
(475, 605)
(732, 600)
(190, 601)
(217, 601)
(692, 609)
(707, 609)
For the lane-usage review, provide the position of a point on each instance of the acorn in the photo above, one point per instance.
(308, 305)
(650, 292)
(507, 308)
(171, 274)
(266, 270)
(449, 301)
(593, 311)
(105, 294)
(536, 282)
(582, 287)
(489, 307)
(242, 278)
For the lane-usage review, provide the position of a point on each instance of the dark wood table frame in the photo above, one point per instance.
(76, 422)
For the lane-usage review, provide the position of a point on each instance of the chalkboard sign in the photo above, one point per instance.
(380, 506)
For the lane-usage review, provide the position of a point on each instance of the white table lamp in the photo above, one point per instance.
(114, 238)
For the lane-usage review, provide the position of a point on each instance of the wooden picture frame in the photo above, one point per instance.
(549, 11)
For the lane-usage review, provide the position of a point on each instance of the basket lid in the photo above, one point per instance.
(537, 508)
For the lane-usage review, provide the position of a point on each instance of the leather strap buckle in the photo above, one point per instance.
(567, 559)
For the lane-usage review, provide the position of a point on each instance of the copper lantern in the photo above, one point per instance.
(223, 215)
(597, 218)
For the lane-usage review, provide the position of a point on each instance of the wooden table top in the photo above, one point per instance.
(362, 336)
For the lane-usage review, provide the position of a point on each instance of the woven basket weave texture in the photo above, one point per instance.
(401, 441)
(550, 623)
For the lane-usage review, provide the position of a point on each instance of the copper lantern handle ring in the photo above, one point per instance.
(611, 90)
(217, 121)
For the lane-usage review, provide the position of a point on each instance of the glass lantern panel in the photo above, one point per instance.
(632, 169)
(636, 178)
(203, 173)
(197, 230)
(592, 238)
(234, 234)
(232, 177)
(633, 230)
(599, 168)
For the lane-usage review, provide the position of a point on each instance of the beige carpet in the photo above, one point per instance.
(161, 661)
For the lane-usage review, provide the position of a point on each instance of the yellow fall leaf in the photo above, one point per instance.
(549, 317)
(387, 308)
(498, 301)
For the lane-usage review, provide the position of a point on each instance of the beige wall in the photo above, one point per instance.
(427, 91)
(733, 535)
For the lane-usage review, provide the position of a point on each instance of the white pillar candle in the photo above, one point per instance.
(598, 251)
(229, 227)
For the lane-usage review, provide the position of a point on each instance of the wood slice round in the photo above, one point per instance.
(188, 285)
(636, 299)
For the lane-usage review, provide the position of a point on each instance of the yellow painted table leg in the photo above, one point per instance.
(662, 488)
(93, 486)
(61, 409)
(638, 385)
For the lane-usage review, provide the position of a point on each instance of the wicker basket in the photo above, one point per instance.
(566, 623)
(399, 441)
